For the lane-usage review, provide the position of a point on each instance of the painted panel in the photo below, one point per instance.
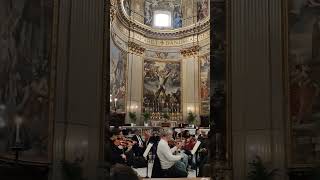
(303, 73)
(202, 9)
(205, 84)
(118, 66)
(26, 78)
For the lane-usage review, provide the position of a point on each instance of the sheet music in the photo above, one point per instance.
(195, 148)
(146, 152)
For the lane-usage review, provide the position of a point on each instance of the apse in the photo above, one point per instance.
(159, 62)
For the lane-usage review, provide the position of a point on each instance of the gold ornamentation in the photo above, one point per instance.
(194, 50)
(135, 48)
(113, 10)
(162, 55)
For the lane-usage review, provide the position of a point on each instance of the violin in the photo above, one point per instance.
(173, 142)
(122, 141)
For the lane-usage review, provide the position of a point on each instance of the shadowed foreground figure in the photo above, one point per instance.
(122, 172)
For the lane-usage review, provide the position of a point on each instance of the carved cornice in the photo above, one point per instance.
(135, 48)
(191, 51)
(132, 24)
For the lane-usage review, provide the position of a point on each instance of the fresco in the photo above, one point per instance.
(127, 5)
(162, 86)
(303, 65)
(118, 66)
(177, 17)
(25, 58)
(205, 84)
(202, 9)
(148, 13)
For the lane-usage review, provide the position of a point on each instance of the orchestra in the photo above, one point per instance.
(128, 147)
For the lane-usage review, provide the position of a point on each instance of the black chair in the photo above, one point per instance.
(157, 171)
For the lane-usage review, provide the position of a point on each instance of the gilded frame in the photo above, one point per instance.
(286, 81)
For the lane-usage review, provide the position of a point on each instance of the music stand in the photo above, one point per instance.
(146, 155)
(194, 152)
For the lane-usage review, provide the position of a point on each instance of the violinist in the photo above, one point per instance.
(121, 150)
(140, 146)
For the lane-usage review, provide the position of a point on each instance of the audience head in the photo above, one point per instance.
(120, 172)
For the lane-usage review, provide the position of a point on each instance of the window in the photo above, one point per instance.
(162, 19)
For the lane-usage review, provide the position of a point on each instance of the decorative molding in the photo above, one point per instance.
(135, 48)
(191, 51)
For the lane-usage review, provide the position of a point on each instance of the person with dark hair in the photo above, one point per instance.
(139, 147)
(122, 172)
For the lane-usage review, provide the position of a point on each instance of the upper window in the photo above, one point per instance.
(162, 19)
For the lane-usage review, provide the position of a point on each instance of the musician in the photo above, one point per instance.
(121, 151)
(197, 135)
(173, 165)
(139, 147)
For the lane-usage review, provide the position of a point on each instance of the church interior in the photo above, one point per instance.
(159, 89)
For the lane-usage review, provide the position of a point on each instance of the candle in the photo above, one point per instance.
(115, 102)
(18, 121)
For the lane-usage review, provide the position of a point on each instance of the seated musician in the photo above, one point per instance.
(140, 146)
(171, 164)
(121, 151)
(197, 134)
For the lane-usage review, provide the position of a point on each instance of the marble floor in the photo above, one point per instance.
(143, 171)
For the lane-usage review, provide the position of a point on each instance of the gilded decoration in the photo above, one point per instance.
(190, 51)
(162, 55)
(135, 48)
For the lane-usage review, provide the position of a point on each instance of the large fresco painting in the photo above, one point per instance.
(118, 64)
(205, 84)
(162, 86)
(303, 65)
(26, 35)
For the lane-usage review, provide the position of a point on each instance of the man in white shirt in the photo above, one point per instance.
(172, 164)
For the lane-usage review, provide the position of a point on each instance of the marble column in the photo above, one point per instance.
(190, 85)
(135, 82)
(78, 123)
